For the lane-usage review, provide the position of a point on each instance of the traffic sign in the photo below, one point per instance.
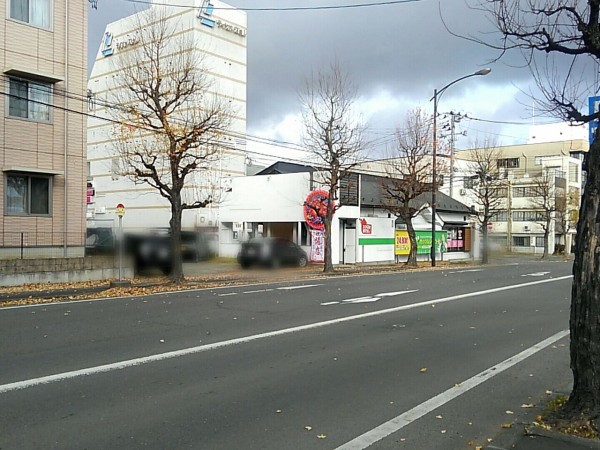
(594, 107)
(120, 210)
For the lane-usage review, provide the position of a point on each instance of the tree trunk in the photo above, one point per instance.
(485, 245)
(585, 301)
(412, 254)
(176, 260)
(328, 266)
(546, 236)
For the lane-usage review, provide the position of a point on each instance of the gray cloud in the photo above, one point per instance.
(402, 49)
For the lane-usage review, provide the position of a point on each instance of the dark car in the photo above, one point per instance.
(271, 252)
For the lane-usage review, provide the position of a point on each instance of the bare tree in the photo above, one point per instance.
(560, 40)
(488, 189)
(334, 134)
(409, 173)
(543, 200)
(170, 123)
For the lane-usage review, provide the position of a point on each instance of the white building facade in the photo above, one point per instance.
(218, 33)
(518, 226)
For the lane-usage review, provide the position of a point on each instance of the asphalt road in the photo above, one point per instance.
(424, 360)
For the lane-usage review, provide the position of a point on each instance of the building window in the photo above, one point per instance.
(539, 241)
(521, 241)
(468, 182)
(508, 163)
(28, 99)
(528, 216)
(27, 195)
(526, 191)
(33, 12)
(499, 216)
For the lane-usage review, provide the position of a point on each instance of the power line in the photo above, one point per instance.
(291, 8)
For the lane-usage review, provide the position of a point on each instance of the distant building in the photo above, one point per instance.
(219, 32)
(43, 131)
(517, 225)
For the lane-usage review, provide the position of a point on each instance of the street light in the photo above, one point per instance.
(436, 95)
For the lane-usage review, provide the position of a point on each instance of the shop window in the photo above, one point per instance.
(456, 239)
(539, 241)
(521, 241)
(33, 12)
(27, 195)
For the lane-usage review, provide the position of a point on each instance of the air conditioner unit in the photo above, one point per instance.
(526, 228)
(463, 192)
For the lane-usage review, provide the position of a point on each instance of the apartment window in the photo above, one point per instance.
(33, 12)
(508, 163)
(527, 216)
(498, 192)
(500, 216)
(524, 192)
(27, 195)
(30, 100)
(521, 241)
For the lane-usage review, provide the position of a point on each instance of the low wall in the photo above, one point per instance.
(16, 272)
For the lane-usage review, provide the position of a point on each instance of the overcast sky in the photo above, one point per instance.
(396, 55)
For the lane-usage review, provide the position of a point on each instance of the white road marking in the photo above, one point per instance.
(207, 347)
(228, 294)
(289, 288)
(329, 303)
(257, 291)
(391, 294)
(362, 300)
(358, 299)
(535, 274)
(467, 270)
(397, 423)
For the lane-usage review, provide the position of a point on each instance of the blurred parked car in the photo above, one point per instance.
(271, 252)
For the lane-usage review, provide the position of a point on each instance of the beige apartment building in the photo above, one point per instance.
(43, 127)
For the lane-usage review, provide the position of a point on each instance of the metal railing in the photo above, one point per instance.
(28, 245)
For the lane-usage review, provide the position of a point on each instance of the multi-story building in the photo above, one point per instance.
(43, 128)
(218, 33)
(532, 182)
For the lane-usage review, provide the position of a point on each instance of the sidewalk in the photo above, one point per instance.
(540, 439)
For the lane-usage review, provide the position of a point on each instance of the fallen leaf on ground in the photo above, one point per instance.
(278, 411)
(443, 431)
(438, 417)
(423, 369)
(321, 436)
(527, 405)
(509, 412)
(308, 428)
(507, 425)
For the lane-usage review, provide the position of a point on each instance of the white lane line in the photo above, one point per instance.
(329, 303)
(289, 288)
(467, 270)
(228, 294)
(362, 300)
(397, 423)
(203, 348)
(535, 274)
(257, 291)
(359, 299)
(391, 294)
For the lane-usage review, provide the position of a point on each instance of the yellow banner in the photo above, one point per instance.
(402, 243)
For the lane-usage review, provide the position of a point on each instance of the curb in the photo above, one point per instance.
(566, 438)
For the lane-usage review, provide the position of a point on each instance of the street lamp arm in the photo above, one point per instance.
(439, 92)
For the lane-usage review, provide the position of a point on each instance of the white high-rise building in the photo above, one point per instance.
(219, 35)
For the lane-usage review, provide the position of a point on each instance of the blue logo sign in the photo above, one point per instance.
(594, 107)
(107, 42)
(205, 12)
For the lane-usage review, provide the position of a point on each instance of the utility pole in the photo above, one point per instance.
(509, 217)
(454, 119)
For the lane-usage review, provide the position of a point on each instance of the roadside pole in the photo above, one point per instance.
(120, 213)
